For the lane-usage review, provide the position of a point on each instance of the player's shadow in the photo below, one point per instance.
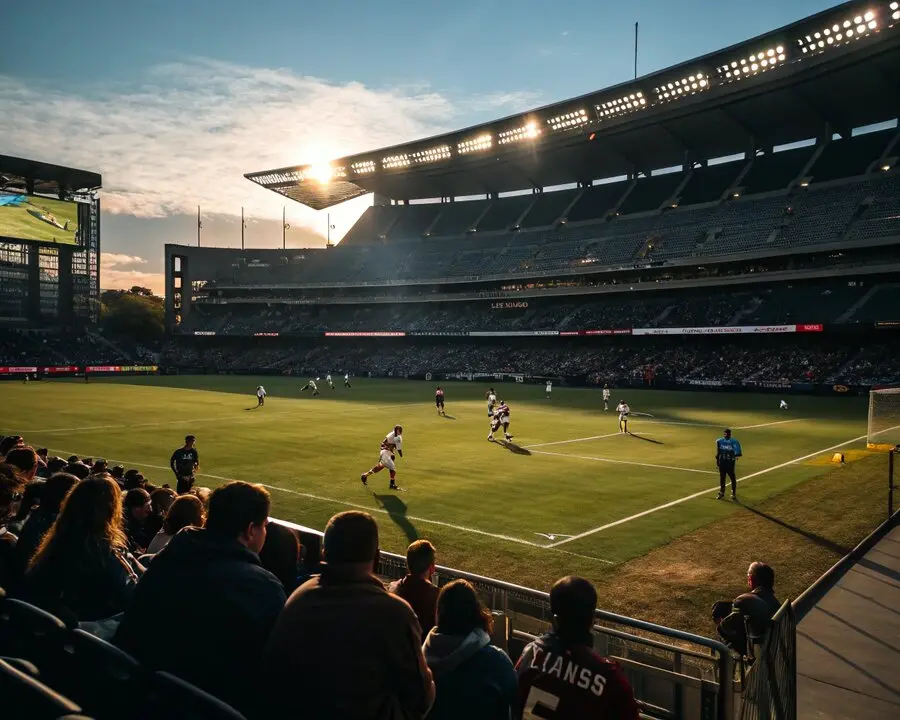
(811, 536)
(448, 417)
(646, 439)
(255, 407)
(396, 510)
(512, 447)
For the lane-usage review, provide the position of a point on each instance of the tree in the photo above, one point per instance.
(136, 313)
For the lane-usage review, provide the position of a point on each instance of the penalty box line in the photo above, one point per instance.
(701, 493)
(367, 508)
(624, 462)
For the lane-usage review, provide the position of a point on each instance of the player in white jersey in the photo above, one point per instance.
(500, 417)
(392, 443)
(346, 380)
(260, 396)
(605, 397)
(783, 405)
(624, 411)
(311, 385)
(549, 389)
(491, 397)
(328, 380)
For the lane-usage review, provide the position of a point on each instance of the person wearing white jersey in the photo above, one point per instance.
(346, 380)
(549, 389)
(783, 405)
(624, 411)
(392, 443)
(311, 385)
(605, 397)
(328, 380)
(491, 397)
(260, 396)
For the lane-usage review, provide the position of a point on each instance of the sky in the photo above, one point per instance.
(172, 101)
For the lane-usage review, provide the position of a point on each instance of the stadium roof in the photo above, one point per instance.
(838, 69)
(47, 174)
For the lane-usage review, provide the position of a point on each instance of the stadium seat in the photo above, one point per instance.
(26, 698)
(175, 699)
(28, 632)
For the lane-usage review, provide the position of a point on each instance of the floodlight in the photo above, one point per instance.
(320, 173)
(528, 131)
(395, 161)
(442, 152)
(689, 85)
(568, 120)
(615, 107)
(481, 142)
(842, 32)
(895, 11)
(363, 167)
(756, 62)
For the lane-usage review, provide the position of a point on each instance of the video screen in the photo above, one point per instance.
(37, 218)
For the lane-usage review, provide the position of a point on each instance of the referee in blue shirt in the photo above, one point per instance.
(728, 450)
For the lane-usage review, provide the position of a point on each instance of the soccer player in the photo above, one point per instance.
(439, 400)
(328, 380)
(311, 385)
(624, 411)
(549, 389)
(491, 401)
(184, 463)
(347, 380)
(605, 397)
(728, 450)
(392, 443)
(260, 396)
(783, 405)
(500, 417)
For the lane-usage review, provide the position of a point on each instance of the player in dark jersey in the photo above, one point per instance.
(500, 417)
(561, 676)
(439, 400)
(184, 463)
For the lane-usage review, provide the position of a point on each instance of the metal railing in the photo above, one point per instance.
(674, 674)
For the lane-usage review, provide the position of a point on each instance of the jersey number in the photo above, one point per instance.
(540, 705)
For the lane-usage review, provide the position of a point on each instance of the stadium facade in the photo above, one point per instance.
(768, 166)
(49, 283)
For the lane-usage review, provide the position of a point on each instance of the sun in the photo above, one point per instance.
(321, 172)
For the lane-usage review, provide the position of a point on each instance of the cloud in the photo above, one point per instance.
(184, 134)
(117, 272)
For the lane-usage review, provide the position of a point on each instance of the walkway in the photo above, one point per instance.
(848, 646)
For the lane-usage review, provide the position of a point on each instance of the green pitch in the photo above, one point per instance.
(572, 494)
(25, 221)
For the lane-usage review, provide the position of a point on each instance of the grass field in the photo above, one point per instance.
(23, 221)
(635, 513)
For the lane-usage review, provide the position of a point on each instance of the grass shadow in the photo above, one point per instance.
(512, 447)
(396, 510)
(813, 537)
(449, 417)
(646, 439)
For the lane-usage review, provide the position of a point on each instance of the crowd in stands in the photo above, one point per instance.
(18, 347)
(202, 586)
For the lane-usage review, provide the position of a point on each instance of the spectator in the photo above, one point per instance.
(133, 479)
(344, 647)
(161, 499)
(281, 555)
(472, 678)
(118, 474)
(78, 470)
(10, 497)
(56, 465)
(81, 567)
(8, 443)
(31, 498)
(562, 669)
(186, 511)
(749, 617)
(205, 607)
(137, 520)
(25, 460)
(55, 490)
(416, 587)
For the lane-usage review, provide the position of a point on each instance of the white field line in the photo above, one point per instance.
(574, 440)
(360, 506)
(652, 510)
(625, 462)
(767, 424)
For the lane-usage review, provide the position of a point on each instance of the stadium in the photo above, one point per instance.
(717, 244)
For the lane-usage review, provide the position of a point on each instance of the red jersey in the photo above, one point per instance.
(566, 681)
(502, 410)
(439, 395)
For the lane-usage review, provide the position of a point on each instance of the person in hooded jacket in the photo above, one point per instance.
(205, 607)
(473, 679)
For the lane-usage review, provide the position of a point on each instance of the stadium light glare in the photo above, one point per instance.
(757, 62)
(442, 152)
(363, 167)
(395, 161)
(840, 33)
(684, 86)
(895, 11)
(621, 105)
(528, 131)
(568, 120)
(481, 142)
(322, 173)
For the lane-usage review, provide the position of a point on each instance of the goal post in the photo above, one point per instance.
(884, 419)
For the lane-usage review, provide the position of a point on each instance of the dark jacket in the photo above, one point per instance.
(90, 583)
(346, 648)
(422, 598)
(474, 680)
(750, 618)
(10, 561)
(203, 611)
(140, 533)
(33, 531)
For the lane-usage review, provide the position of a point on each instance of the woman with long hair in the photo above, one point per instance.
(42, 518)
(81, 567)
(186, 511)
(472, 678)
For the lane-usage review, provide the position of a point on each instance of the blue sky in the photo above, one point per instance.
(172, 101)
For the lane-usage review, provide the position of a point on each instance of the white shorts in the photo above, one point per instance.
(387, 459)
(504, 419)
(623, 416)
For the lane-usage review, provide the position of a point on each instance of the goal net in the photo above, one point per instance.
(884, 419)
